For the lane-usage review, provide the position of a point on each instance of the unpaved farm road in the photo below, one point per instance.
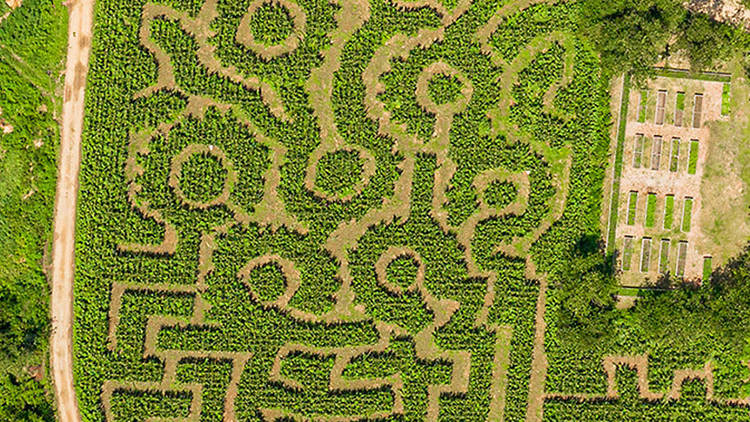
(63, 261)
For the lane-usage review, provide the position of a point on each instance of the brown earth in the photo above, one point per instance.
(63, 263)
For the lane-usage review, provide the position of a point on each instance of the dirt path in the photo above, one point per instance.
(63, 261)
(727, 11)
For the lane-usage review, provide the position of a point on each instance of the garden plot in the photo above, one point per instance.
(666, 139)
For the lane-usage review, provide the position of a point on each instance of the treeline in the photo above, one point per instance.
(634, 35)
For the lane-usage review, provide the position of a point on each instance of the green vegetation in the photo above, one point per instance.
(687, 214)
(202, 177)
(280, 295)
(267, 282)
(646, 247)
(642, 105)
(674, 158)
(500, 194)
(680, 102)
(444, 89)
(650, 209)
(664, 256)
(627, 254)
(668, 211)
(633, 35)
(271, 23)
(32, 47)
(693, 157)
(707, 268)
(619, 153)
(339, 172)
(725, 104)
(632, 207)
(402, 271)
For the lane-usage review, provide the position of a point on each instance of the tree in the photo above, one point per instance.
(586, 291)
(24, 400)
(706, 41)
(631, 35)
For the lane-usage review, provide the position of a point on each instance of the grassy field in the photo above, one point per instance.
(32, 48)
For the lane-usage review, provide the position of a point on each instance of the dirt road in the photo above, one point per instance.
(63, 261)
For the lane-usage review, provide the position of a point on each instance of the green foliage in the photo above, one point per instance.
(680, 103)
(267, 282)
(633, 35)
(500, 194)
(632, 207)
(339, 172)
(402, 271)
(32, 48)
(24, 400)
(674, 159)
(585, 293)
(705, 41)
(202, 177)
(725, 103)
(271, 23)
(335, 315)
(707, 268)
(650, 209)
(687, 214)
(693, 157)
(668, 211)
(444, 89)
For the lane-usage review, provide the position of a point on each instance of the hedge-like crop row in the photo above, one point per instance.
(247, 252)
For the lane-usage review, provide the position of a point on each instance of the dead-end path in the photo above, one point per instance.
(63, 261)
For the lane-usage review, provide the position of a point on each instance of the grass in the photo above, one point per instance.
(693, 157)
(642, 106)
(627, 254)
(32, 48)
(674, 159)
(664, 256)
(645, 254)
(638, 153)
(725, 99)
(707, 268)
(632, 204)
(619, 152)
(685, 74)
(680, 103)
(650, 209)
(668, 211)
(687, 212)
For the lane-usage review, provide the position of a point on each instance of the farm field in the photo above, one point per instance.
(372, 210)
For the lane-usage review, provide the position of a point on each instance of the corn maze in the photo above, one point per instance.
(348, 210)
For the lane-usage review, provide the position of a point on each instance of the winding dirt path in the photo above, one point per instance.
(63, 261)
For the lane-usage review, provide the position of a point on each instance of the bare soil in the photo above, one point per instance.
(729, 11)
(63, 261)
(664, 182)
